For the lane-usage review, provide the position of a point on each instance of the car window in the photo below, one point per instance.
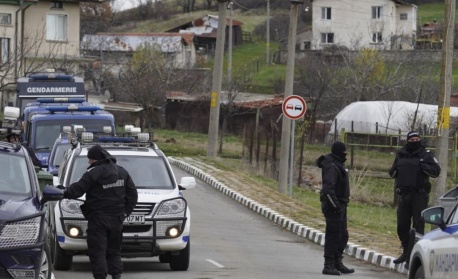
(14, 175)
(454, 218)
(146, 172)
(59, 154)
(47, 131)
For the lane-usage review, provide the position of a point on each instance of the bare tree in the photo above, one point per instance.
(316, 75)
(147, 78)
(238, 84)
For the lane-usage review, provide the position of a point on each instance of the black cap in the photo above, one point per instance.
(412, 134)
(96, 153)
(338, 148)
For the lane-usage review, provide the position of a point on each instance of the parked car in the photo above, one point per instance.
(435, 255)
(161, 220)
(24, 250)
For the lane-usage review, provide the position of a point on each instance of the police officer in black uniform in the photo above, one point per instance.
(412, 168)
(334, 197)
(111, 196)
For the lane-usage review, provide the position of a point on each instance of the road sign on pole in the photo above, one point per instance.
(294, 107)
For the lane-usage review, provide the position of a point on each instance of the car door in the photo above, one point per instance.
(443, 256)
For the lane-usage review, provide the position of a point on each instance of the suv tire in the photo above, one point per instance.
(180, 262)
(46, 266)
(61, 260)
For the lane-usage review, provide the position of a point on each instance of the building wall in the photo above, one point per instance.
(352, 24)
(35, 29)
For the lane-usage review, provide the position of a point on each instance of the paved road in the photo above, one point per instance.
(230, 241)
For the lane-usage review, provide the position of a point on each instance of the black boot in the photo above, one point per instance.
(341, 267)
(402, 258)
(117, 276)
(329, 268)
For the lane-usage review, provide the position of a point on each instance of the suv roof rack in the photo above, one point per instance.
(132, 138)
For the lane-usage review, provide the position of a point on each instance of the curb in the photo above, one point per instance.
(312, 234)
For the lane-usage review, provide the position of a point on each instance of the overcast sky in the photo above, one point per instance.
(120, 5)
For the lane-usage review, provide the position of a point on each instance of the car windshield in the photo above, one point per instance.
(48, 131)
(146, 172)
(14, 176)
(59, 154)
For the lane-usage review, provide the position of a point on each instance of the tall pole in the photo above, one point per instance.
(212, 148)
(443, 117)
(268, 34)
(289, 80)
(229, 46)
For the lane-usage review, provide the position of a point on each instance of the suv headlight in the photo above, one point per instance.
(71, 208)
(171, 208)
(20, 233)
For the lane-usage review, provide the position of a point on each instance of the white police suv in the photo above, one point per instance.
(435, 255)
(158, 226)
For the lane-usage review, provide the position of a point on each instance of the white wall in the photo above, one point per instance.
(352, 23)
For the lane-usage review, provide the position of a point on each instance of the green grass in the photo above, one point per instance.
(429, 12)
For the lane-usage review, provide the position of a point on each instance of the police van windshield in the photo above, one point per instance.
(146, 172)
(47, 131)
(14, 176)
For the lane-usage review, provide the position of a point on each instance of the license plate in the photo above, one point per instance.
(135, 219)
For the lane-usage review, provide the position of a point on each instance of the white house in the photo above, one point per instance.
(356, 24)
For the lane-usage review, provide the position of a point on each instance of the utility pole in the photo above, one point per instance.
(443, 116)
(289, 80)
(268, 34)
(216, 81)
(229, 46)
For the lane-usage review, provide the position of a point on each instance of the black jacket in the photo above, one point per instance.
(335, 181)
(108, 187)
(413, 169)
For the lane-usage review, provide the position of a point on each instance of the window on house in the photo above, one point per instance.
(403, 16)
(4, 50)
(56, 27)
(57, 5)
(327, 38)
(377, 12)
(377, 37)
(326, 13)
(5, 19)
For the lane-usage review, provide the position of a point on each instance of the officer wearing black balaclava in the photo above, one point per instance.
(412, 168)
(334, 197)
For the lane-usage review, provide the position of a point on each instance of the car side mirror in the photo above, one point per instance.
(434, 216)
(51, 193)
(187, 182)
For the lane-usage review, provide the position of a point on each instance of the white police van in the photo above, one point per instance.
(158, 226)
(435, 255)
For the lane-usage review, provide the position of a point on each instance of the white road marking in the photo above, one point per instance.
(215, 263)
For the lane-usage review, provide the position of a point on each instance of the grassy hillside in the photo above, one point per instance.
(249, 59)
(429, 12)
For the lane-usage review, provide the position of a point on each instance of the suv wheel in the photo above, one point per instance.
(419, 273)
(61, 260)
(180, 262)
(45, 267)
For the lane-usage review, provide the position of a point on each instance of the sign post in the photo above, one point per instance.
(293, 107)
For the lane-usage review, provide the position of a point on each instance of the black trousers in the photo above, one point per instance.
(410, 206)
(336, 237)
(104, 238)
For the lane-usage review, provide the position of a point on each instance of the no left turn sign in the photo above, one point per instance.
(294, 107)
